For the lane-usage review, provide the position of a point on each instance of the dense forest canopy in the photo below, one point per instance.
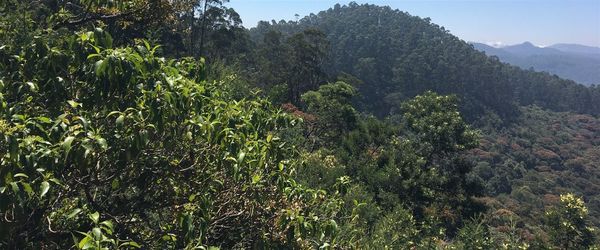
(397, 56)
(164, 124)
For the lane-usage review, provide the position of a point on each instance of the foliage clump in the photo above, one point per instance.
(567, 224)
(119, 147)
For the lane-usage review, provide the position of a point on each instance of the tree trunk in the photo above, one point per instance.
(203, 30)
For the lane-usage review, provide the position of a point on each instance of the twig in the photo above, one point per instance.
(50, 225)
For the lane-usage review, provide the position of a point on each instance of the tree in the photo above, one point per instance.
(438, 133)
(293, 62)
(221, 34)
(438, 125)
(332, 106)
(567, 225)
(308, 50)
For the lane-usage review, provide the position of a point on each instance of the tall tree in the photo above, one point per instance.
(214, 29)
(308, 51)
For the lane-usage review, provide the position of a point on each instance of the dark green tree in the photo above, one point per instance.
(308, 51)
(335, 116)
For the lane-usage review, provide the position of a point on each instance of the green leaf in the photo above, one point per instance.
(21, 175)
(131, 244)
(15, 187)
(85, 123)
(96, 48)
(95, 217)
(146, 44)
(32, 86)
(73, 104)
(90, 56)
(256, 178)
(113, 113)
(108, 224)
(66, 145)
(43, 119)
(74, 213)
(27, 188)
(100, 67)
(55, 181)
(44, 187)
(241, 157)
(18, 117)
(102, 143)
(115, 184)
(120, 121)
(13, 148)
(84, 242)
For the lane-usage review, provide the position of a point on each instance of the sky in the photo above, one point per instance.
(495, 22)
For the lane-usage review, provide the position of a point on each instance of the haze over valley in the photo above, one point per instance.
(576, 62)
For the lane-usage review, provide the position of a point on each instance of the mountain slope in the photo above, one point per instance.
(490, 50)
(528, 49)
(576, 62)
(528, 164)
(576, 48)
(398, 56)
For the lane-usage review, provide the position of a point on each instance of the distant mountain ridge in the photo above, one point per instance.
(576, 48)
(528, 48)
(576, 62)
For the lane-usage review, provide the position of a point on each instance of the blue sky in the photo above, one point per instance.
(542, 22)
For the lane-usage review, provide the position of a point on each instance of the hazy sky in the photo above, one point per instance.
(542, 22)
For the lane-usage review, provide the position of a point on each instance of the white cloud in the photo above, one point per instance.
(497, 44)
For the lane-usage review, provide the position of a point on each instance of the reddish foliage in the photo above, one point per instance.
(503, 140)
(288, 107)
(594, 127)
(292, 109)
(546, 154)
(482, 155)
(546, 141)
(503, 213)
(485, 143)
(516, 147)
(527, 236)
(581, 119)
(503, 229)
(543, 168)
(551, 199)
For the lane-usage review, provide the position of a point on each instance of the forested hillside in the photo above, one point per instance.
(397, 56)
(527, 164)
(159, 124)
